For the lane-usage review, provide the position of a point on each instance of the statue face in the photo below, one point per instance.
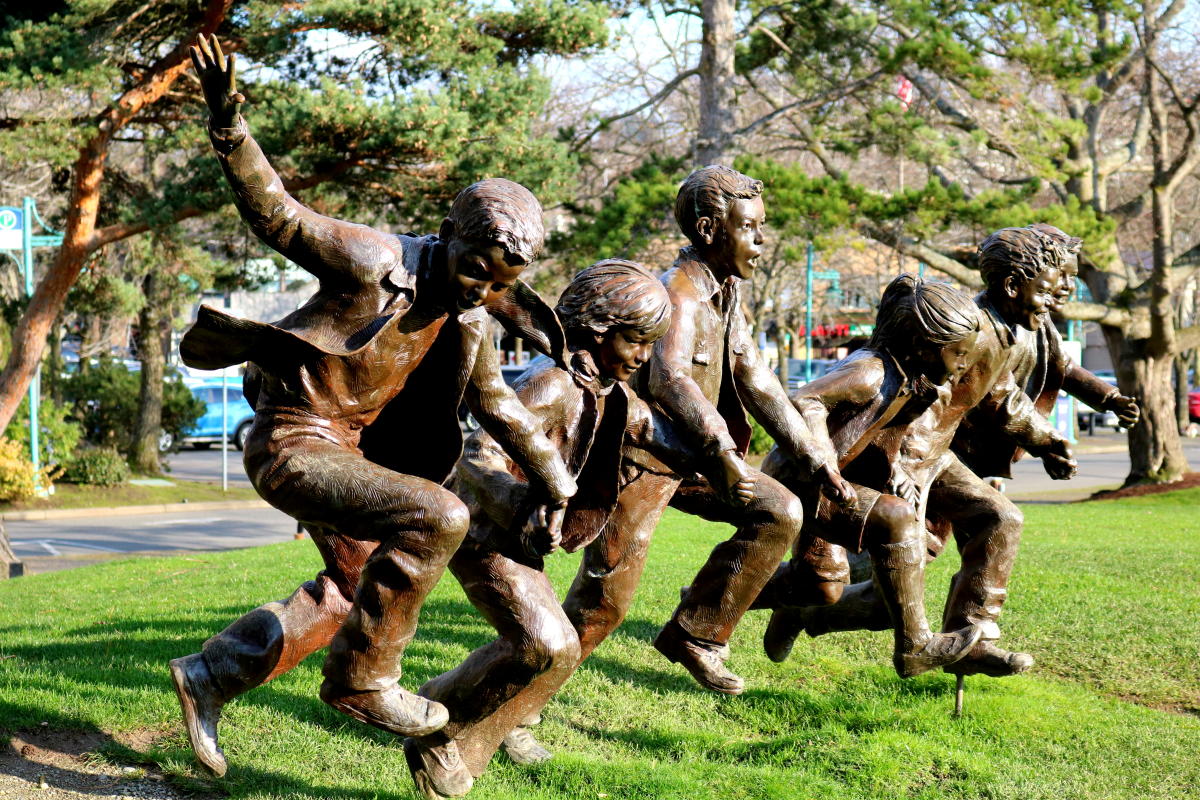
(1066, 283)
(621, 351)
(950, 362)
(479, 271)
(738, 240)
(1026, 301)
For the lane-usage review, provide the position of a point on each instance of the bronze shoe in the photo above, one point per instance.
(723, 650)
(522, 748)
(392, 709)
(785, 625)
(940, 649)
(988, 659)
(703, 662)
(438, 770)
(201, 706)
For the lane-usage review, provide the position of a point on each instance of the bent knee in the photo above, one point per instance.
(1005, 519)
(449, 517)
(826, 593)
(895, 517)
(780, 506)
(553, 647)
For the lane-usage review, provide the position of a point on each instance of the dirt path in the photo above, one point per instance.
(66, 765)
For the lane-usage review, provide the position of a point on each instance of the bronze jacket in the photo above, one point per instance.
(1041, 367)
(705, 373)
(590, 425)
(864, 393)
(368, 282)
(876, 424)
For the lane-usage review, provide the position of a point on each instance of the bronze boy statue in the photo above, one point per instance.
(1021, 268)
(355, 397)
(872, 403)
(612, 312)
(699, 376)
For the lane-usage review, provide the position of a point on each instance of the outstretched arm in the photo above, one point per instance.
(1011, 409)
(807, 444)
(518, 431)
(332, 250)
(1101, 395)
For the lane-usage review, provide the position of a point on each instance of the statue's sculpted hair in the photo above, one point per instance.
(913, 311)
(707, 192)
(1024, 253)
(614, 294)
(501, 211)
(1065, 244)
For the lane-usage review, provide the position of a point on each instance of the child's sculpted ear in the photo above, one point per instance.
(1012, 286)
(705, 229)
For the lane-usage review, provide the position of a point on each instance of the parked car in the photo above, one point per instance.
(796, 370)
(208, 428)
(1089, 418)
(1194, 404)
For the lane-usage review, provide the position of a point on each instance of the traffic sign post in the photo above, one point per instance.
(809, 276)
(16, 233)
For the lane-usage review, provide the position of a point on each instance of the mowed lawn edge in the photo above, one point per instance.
(1104, 595)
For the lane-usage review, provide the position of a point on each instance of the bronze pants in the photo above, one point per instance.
(987, 529)
(728, 582)
(509, 680)
(390, 535)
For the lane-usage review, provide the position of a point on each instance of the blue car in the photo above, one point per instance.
(207, 429)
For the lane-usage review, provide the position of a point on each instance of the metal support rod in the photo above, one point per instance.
(958, 696)
(225, 429)
(35, 447)
(808, 336)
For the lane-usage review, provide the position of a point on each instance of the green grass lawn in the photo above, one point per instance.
(1105, 594)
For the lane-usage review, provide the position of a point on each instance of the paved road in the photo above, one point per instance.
(220, 530)
(193, 530)
(205, 465)
(1097, 470)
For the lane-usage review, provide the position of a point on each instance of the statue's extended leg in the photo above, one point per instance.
(724, 589)
(987, 529)
(600, 596)
(363, 667)
(269, 640)
(507, 681)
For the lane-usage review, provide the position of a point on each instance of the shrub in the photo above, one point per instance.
(58, 435)
(97, 466)
(16, 473)
(760, 441)
(105, 399)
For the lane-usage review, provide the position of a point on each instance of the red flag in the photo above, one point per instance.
(904, 91)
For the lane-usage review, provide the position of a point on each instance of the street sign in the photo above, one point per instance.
(11, 225)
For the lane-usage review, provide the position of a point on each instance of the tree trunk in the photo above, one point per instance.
(79, 240)
(781, 349)
(144, 455)
(1155, 449)
(10, 565)
(1181, 393)
(717, 104)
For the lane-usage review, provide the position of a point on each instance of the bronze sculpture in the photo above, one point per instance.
(699, 375)
(1022, 268)
(882, 406)
(612, 313)
(396, 332)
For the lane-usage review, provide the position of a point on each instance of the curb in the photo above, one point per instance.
(115, 511)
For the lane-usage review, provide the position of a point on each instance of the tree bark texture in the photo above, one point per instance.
(10, 565)
(717, 102)
(79, 239)
(144, 456)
